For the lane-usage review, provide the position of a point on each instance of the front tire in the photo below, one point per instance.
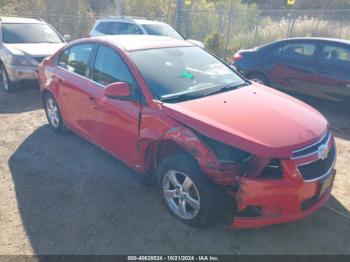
(189, 196)
(6, 84)
(53, 113)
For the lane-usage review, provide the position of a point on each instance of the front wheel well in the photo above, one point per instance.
(163, 149)
(166, 148)
(44, 93)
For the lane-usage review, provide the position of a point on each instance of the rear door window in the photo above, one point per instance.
(121, 28)
(78, 58)
(335, 54)
(300, 51)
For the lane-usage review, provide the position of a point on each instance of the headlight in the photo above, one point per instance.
(17, 60)
(227, 154)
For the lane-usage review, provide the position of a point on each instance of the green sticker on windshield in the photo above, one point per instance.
(186, 75)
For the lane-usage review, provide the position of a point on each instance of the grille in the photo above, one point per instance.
(39, 59)
(312, 148)
(318, 168)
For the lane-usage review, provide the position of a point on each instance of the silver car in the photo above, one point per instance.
(124, 25)
(24, 43)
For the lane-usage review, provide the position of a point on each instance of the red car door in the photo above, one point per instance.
(113, 123)
(71, 78)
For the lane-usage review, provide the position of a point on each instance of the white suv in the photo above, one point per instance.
(121, 25)
(24, 43)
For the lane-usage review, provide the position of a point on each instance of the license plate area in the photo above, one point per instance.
(325, 184)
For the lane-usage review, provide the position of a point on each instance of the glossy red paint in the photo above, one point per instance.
(239, 118)
(256, 119)
(284, 211)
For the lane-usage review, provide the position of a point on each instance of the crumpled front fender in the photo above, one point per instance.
(205, 157)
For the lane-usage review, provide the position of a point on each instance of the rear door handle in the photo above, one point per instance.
(57, 80)
(93, 102)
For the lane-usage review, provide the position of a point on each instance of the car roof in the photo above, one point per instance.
(137, 20)
(141, 42)
(21, 20)
(321, 39)
(148, 22)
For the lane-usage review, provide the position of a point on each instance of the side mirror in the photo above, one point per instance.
(118, 90)
(67, 38)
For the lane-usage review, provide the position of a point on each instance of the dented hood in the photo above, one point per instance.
(255, 118)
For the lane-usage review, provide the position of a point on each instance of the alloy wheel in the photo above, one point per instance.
(181, 194)
(52, 112)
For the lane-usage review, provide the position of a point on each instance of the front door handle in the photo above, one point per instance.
(323, 70)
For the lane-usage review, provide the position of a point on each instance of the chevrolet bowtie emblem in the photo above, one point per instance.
(323, 151)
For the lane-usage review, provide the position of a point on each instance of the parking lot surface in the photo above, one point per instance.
(59, 194)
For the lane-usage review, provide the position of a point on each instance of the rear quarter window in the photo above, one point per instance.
(62, 58)
(102, 27)
(78, 58)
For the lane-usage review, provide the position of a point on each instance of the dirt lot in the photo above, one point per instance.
(61, 195)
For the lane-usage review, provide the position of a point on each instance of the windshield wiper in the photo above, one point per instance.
(226, 88)
(178, 98)
(184, 97)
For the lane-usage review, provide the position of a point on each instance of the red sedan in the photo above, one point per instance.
(169, 109)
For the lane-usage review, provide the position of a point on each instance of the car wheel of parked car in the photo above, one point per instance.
(5, 82)
(188, 194)
(259, 78)
(53, 113)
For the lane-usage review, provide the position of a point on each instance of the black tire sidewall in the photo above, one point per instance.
(208, 192)
(11, 86)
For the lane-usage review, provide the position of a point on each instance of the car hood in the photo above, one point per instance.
(255, 118)
(35, 50)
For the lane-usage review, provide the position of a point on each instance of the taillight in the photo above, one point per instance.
(237, 57)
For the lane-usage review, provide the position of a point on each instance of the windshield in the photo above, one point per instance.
(29, 33)
(190, 71)
(161, 29)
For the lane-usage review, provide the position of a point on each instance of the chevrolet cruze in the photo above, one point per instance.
(170, 110)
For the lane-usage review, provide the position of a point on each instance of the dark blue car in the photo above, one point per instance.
(318, 67)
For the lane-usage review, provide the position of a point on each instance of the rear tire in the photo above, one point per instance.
(53, 113)
(188, 195)
(6, 84)
(259, 78)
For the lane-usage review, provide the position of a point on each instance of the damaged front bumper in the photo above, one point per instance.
(262, 202)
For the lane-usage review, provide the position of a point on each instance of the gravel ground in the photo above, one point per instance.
(61, 195)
